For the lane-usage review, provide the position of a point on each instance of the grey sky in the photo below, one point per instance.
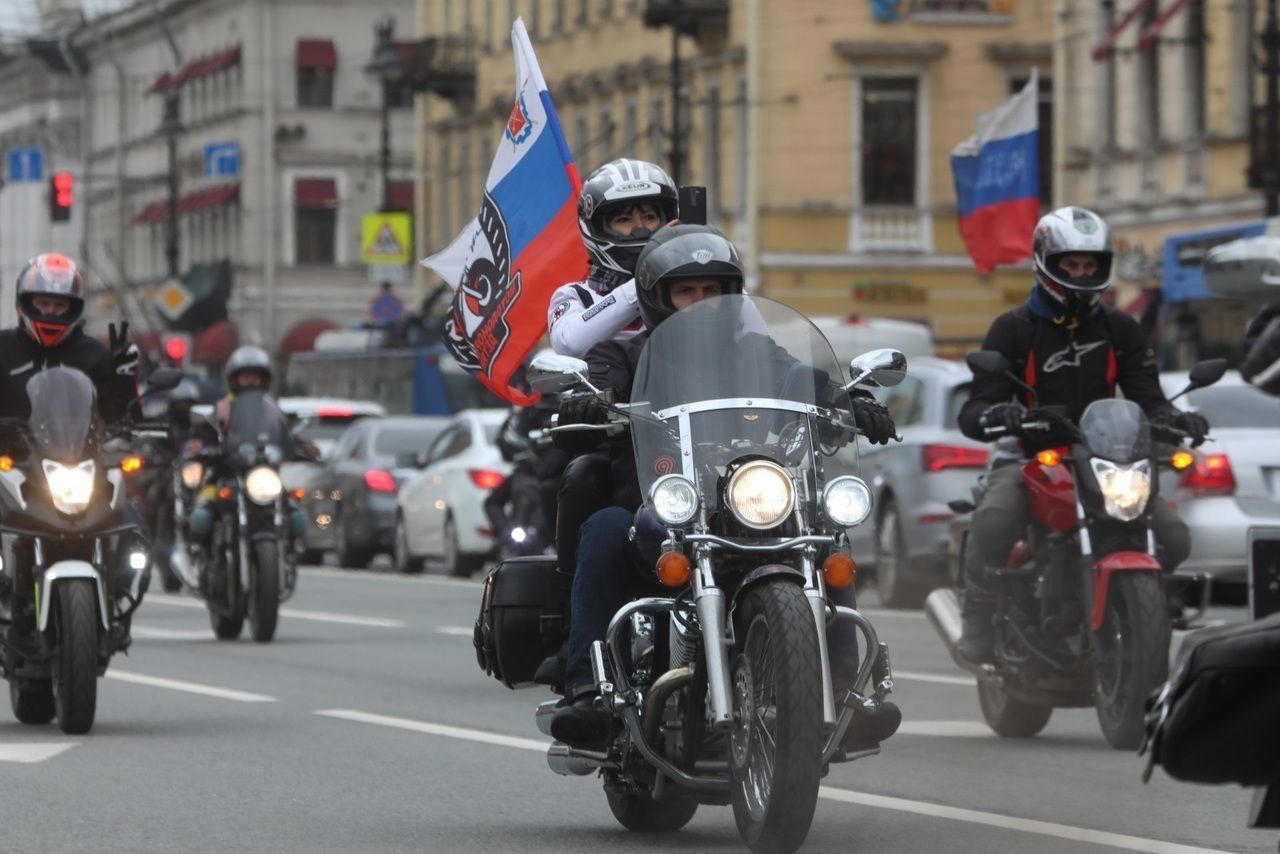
(22, 17)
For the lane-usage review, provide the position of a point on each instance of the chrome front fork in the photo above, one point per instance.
(814, 592)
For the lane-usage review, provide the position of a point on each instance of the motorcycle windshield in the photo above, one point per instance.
(256, 423)
(63, 408)
(734, 377)
(1116, 430)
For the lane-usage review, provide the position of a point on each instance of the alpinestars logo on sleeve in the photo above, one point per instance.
(1070, 356)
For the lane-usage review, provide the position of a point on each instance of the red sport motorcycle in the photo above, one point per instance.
(1081, 615)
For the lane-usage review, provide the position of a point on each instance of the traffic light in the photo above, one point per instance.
(61, 195)
(176, 347)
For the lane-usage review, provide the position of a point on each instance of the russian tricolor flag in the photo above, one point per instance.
(997, 175)
(524, 244)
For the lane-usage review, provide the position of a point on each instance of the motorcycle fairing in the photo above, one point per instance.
(1051, 496)
(1103, 568)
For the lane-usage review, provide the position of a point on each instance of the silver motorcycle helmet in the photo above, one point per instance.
(245, 360)
(614, 187)
(1072, 231)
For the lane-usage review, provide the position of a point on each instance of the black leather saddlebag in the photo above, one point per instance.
(1217, 720)
(523, 618)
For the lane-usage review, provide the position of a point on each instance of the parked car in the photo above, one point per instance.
(350, 501)
(320, 421)
(1235, 483)
(854, 335)
(912, 481)
(441, 514)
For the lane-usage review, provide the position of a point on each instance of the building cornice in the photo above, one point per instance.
(917, 51)
(1012, 53)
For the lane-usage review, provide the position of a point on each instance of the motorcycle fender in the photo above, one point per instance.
(761, 573)
(65, 570)
(115, 477)
(1102, 571)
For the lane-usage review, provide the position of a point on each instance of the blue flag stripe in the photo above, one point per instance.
(1005, 170)
(533, 192)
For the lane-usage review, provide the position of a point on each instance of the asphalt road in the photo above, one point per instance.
(366, 726)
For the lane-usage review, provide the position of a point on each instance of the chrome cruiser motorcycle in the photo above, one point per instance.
(74, 565)
(722, 691)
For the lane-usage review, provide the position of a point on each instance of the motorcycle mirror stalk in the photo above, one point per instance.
(1202, 375)
(991, 362)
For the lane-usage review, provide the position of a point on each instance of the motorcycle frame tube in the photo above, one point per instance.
(65, 570)
(860, 683)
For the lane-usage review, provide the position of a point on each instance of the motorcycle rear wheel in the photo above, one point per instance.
(775, 761)
(75, 658)
(34, 704)
(645, 815)
(264, 603)
(1009, 717)
(1131, 656)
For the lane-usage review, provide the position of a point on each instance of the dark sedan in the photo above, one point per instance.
(350, 502)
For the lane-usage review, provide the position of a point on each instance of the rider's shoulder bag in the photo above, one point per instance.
(1217, 720)
(522, 618)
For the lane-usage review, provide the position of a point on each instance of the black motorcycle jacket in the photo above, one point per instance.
(1069, 364)
(21, 358)
(1260, 365)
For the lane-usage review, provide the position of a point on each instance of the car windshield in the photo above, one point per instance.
(1237, 406)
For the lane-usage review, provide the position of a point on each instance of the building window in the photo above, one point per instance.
(315, 217)
(535, 18)
(581, 142)
(656, 137)
(444, 230)
(889, 141)
(557, 16)
(1149, 81)
(712, 177)
(630, 123)
(1044, 138)
(606, 8)
(467, 207)
(584, 12)
(316, 61)
(488, 26)
(608, 139)
(744, 131)
(1195, 68)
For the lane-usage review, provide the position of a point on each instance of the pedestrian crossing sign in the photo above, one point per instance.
(387, 239)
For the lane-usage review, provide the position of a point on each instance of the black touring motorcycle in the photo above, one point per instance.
(722, 691)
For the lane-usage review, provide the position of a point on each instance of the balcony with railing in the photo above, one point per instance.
(885, 228)
(704, 20)
(444, 65)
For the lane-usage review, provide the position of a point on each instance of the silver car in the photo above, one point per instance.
(913, 481)
(1235, 483)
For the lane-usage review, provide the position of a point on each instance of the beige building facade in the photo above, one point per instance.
(823, 134)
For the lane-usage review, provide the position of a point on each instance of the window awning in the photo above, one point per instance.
(197, 69)
(1151, 34)
(315, 193)
(209, 197)
(400, 196)
(1103, 49)
(317, 54)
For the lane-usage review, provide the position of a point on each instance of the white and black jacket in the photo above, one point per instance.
(600, 308)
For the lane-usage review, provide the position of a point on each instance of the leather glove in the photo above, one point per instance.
(1007, 415)
(124, 353)
(582, 409)
(873, 420)
(1193, 424)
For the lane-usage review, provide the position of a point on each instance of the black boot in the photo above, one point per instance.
(869, 727)
(977, 637)
(583, 724)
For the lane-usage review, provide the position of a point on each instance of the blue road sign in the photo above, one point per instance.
(222, 160)
(25, 164)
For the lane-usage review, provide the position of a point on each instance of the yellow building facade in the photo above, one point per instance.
(822, 130)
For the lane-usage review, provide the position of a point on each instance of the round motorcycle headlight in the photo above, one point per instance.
(192, 474)
(761, 494)
(263, 485)
(847, 501)
(674, 499)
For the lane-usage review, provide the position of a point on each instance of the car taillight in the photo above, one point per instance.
(486, 478)
(939, 457)
(1211, 475)
(378, 480)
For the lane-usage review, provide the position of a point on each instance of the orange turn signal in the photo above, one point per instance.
(6, 463)
(131, 464)
(300, 493)
(1049, 458)
(225, 493)
(674, 569)
(839, 570)
(1182, 460)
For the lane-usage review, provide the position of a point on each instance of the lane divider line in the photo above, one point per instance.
(846, 796)
(936, 678)
(460, 631)
(189, 687)
(318, 616)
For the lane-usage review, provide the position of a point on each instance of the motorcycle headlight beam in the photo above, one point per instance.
(673, 499)
(262, 484)
(847, 501)
(70, 487)
(761, 494)
(192, 474)
(1125, 488)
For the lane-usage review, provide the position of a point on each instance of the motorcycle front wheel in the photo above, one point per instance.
(75, 658)
(775, 761)
(1130, 655)
(264, 604)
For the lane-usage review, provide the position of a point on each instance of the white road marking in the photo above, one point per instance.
(460, 631)
(937, 678)
(149, 633)
(190, 687)
(1005, 822)
(319, 616)
(946, 729)
(323, 572)
(31, 753)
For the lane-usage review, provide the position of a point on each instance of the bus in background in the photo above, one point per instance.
(354, 364)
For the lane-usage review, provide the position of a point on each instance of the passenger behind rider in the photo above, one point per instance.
(682, 267)
(1072, 350)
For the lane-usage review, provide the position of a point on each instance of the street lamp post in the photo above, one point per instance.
(171, 128)
(386, 66)
(1271, 58)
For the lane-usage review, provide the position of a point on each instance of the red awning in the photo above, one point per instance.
(315, 193)
(197, 69)
(210, 197)
(317, 53)
(1105, 47)
(302, 336)
(400, 196)
(215, 344)
(1151, 34)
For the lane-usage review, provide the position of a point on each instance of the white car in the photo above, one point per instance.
(441, 509)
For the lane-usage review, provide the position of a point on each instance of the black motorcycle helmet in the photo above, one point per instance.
(683, 252)
(618, 185)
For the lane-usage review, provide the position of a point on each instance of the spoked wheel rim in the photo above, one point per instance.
(754, 739)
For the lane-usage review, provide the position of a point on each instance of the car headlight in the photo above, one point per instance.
(847, 501)
(1125, 489)
(263, 485)
(761, 494)
(673, 499)
(70, 487)
(192, 474)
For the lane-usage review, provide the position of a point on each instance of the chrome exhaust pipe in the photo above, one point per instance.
(567, 762)
(942, 609)
(665, 685)
(545, 712)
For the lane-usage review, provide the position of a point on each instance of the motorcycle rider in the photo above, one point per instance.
(682, 266)
(1072, 350)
